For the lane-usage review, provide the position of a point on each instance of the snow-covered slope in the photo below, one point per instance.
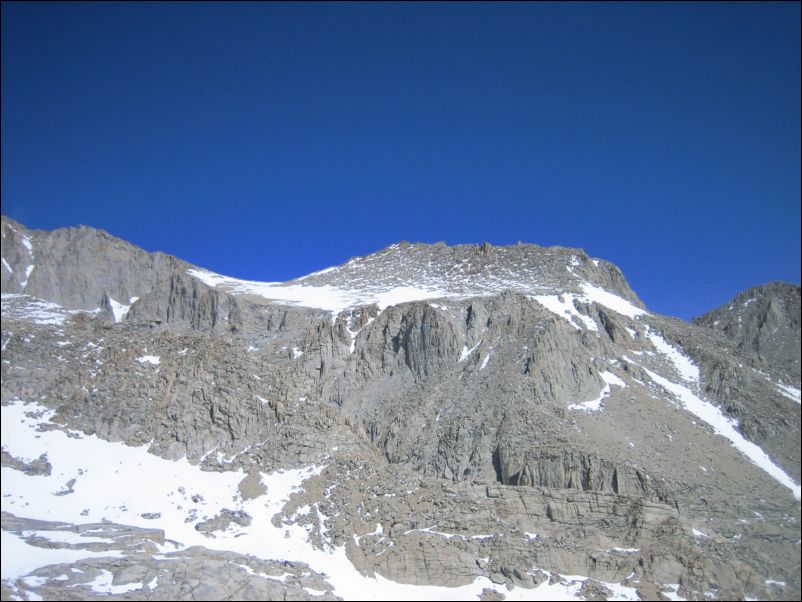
(95, 482)
(414, 272)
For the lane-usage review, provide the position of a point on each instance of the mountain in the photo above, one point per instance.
(764, 320)
(425, 422)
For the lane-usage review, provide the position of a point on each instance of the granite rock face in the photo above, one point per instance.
(763, 320)
(474, 416)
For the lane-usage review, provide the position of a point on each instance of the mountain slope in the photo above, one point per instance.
(474, 416)
(764, 320)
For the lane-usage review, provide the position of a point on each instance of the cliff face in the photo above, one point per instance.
(474, 416)
(77, 267)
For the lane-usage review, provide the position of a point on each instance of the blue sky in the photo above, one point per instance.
(266, 141)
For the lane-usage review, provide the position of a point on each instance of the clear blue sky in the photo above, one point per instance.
(266, 141)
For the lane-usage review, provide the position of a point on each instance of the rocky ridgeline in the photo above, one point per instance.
(500, 427)
(474, 269)
(763, 320)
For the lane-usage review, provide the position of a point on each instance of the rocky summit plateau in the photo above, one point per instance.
(425, 422)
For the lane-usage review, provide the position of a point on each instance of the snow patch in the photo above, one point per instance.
(118, 483)
(149, 359)
(673, 595)
(68, 537)
(790, 392)
(595, 404)
(609, 300)
(28, 270)
(405, 294)
(26, 242)
(687, 370)
(34, 310)
(20, 558)
(724, 426)
(119, 309)
(102, 584)
(325, 297)
(563, 306)
(467, 352)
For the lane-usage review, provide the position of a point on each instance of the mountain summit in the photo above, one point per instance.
(763, 320)
(425, 422)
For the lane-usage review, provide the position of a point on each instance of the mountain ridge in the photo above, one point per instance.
(479, 257)
(755, 316)
(497, 439)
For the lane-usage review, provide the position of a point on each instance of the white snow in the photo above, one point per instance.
(431, 531)
(405, 294)
(68, 537)
(467, 352)
(320, 272)
(119, 309)
(673, 595)
(8, 267)
(687, 370)
(595, 404)
(28, 270)
(371, 282)
(700, 534)
(486, 359)
(567, 591)
(26, 243)
(563, 306)
(325, 297)
(790, 392)
(611, 301)
(377, 531)
(773, 582)
(34, 310)
(102, 584)
(725, 427)
(296, 353)
(118, 483)
(354, 333)
(20, 558)
(612, 379)
(149, 359)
